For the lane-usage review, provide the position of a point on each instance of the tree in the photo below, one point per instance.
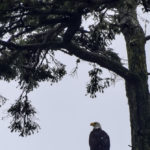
(33, 31)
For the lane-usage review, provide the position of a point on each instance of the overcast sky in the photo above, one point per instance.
(65, 113)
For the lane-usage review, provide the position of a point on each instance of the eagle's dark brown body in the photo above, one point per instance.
(99, 140)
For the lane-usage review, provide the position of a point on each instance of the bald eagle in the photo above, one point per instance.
(98, 139)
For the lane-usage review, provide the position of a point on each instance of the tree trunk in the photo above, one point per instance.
(137, 92)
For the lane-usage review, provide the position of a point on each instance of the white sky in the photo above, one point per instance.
(65, 112)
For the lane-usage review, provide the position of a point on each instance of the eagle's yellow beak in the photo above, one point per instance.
(92, 124)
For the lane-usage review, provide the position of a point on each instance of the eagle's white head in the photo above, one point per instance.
(96, 125)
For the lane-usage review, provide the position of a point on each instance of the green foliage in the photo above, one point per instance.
(97, 83)
(32, 31)
(22, 114)
(7, 69)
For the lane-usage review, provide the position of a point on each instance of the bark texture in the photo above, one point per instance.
(57, 27)
(137, 92)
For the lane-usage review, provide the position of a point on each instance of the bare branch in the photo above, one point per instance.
(35, 46)
(102, 61)
(147, 38)
(74, 25)
(80, 53)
